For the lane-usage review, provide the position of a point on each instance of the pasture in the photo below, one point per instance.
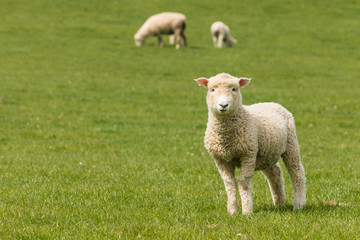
(100, 139)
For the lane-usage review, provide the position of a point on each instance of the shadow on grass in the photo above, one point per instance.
(168, 46)
(320, 207)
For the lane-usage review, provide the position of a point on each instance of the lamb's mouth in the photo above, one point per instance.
(223, 110)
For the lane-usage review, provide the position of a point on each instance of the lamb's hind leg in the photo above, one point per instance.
(183, 37)
(275, 179)
(296, 171)
(182, 34)
(178, 37)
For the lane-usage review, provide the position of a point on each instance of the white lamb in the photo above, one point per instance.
(170, 23)
(220, 33)
(251, 138)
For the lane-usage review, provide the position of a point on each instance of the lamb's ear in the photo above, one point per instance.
(202, 81)
(244, 81)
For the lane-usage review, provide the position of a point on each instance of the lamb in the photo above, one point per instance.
(170, 23)
(221, 33)
(251, 138)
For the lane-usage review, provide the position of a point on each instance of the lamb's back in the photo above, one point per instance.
(269, 110)
(165, 22)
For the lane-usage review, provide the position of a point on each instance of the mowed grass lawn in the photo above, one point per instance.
(100, 139)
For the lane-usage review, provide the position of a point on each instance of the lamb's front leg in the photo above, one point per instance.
(214, 40)
(227, 172)
(220, 41)
(245, 184)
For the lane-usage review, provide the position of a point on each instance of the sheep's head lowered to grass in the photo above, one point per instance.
(139, 40)
(223, 92)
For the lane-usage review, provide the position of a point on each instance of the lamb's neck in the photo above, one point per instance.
(144, 32)
(223, 123)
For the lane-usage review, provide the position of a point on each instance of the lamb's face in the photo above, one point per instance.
(223, 95)
(223, 98)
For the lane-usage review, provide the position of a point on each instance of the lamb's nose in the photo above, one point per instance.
(224, 105)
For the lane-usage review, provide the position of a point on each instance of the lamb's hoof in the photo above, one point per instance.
(233, 209)
(299, 205)
(279, 201)
(247, 212)
(232, 212)
(297, 208)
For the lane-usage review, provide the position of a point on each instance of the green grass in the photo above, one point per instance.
(100, 139)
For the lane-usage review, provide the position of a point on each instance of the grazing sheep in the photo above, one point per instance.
(170, 23)
(221, 33)
(251, 138)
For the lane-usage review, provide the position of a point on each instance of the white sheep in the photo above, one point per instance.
(220, 33)
(251, 138)
(170, 23)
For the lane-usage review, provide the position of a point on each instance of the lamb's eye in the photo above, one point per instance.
(234, 89)
(213, 90)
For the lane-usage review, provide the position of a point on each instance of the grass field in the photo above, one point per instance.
(100, 139)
